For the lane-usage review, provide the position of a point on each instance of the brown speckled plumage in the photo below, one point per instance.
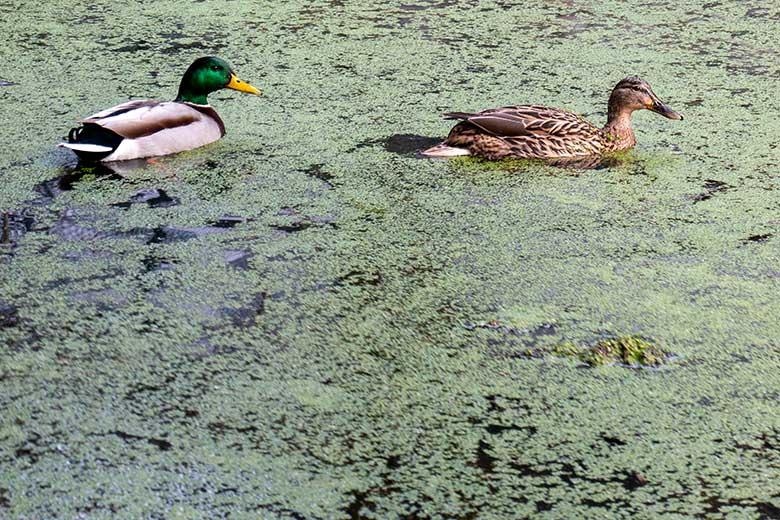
(540, 132)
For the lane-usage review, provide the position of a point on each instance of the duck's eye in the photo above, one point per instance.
(214, 68)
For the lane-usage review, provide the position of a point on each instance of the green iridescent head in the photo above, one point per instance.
(206, 75)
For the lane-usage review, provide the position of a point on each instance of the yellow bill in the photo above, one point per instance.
(237, 84)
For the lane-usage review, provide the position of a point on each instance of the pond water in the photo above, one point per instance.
(307, 320)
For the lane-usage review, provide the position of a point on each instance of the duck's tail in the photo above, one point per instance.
(86, 147)
(443, 150)
(92, 142)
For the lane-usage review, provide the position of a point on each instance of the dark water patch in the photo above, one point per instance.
(238, 258)
(5, 501)
(484, 460)
(531, 335)
(749, 70)
(492, 325)
(360, 278)
(757, 238)
(167, 234)
(294, 227)
(220, 428)
(423, 6)
(303, 222)
(768, 443)
(103, 300)
(9, 315)
(177, 47)
(4, 83)
(229, 221)
(173, 35)
(719, 506)
(211, 164)
(409, 144)
(613, 441)
(143, 388)
(737, 358)
(87, 255)
(712, 187)
(596, 504)
(762, 12)
(34, 42)
(31, 449)
(51, 189)
(402, 144)
(64, 282)
(91, 19)
(153, 197)
(393, 462)
(153, 262)
(360, 502)
(277, 509)
(14, 224)
(162, 444)
(634, 481)
(95, 507)
(133, 46)
(497, 429)
(244, 317)
(67, 228)
(317, 171)
(528, 470)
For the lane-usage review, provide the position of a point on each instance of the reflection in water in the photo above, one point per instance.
(591, 162)
(16, 223)
(408, 143)
(52, 188)
(153, 197)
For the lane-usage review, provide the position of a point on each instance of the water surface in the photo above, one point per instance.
(283, 324)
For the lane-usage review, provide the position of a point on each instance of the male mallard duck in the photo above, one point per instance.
(539, 132)
(146, 128)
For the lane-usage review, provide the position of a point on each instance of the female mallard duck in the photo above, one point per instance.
(146, 128)
(539, 132)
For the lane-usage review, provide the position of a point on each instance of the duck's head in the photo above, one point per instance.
(633, 93)
(206, 75)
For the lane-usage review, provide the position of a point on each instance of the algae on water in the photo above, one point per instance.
(284, 337)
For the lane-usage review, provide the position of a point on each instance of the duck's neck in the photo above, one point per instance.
(191, 97)
(618, 129)
(194, 88)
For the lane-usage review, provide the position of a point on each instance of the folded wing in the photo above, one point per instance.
(141, 118)
(526, 120)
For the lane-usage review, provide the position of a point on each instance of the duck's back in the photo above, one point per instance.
(146, 128)
(525, 131)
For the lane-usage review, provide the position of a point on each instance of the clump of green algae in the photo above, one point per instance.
(630, 350)
(633, 351)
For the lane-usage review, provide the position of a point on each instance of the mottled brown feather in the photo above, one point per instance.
(540, 132)
(526, 131)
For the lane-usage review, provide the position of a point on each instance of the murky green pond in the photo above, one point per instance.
(306, 320)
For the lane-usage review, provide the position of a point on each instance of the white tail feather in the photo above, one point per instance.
(83, 147)
(442, 150)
